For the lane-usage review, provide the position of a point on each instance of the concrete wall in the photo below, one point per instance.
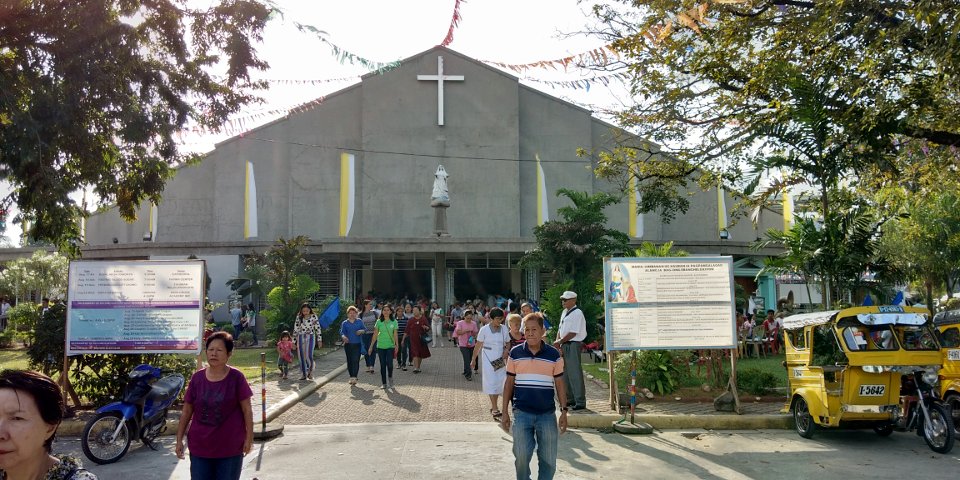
(493, 131)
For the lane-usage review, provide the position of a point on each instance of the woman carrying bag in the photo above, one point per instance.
(493, 347)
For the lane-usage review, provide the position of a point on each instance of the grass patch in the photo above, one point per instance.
(14, 359)
(247, 360)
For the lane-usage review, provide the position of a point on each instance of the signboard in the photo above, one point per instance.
(669, 303)
(135, 307)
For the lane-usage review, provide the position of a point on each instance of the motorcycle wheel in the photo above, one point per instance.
(883, 429)
(96, 443)
(938, 432)
(953, 400)
(802, 418)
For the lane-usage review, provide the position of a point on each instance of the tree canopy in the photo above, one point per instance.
(716, 82)
(93, 93)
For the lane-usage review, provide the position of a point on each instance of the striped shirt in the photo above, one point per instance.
(533, 390)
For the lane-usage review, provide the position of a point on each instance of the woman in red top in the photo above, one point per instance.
(417, 327)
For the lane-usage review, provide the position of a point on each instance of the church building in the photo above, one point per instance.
(356, 173)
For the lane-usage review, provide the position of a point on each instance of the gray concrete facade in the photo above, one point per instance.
(494, 129)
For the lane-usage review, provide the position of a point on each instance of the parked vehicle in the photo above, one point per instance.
(867, 367)
(948, 326)
(141, 413)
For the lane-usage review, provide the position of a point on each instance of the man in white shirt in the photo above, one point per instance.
(3, 314)
(570, 335)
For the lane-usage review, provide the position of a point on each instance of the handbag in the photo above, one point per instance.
(427, 338)
(497, 363)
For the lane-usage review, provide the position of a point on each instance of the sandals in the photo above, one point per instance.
(496, 414)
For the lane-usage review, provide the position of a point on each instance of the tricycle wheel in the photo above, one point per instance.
(953, 400)
(802, 418)
(98, 442)
(938, 432)
(883, 429)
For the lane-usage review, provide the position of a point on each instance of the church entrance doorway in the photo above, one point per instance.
(481, 283)
(393, 284)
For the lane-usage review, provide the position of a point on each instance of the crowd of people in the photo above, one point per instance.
(771, 332)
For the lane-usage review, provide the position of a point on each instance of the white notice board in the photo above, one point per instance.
(669, 303)
(135, 307)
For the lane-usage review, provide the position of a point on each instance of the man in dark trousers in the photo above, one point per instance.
(570, 335)
(534, 372)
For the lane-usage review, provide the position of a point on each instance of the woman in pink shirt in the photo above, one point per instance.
(466, 333)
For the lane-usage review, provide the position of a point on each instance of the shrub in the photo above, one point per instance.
(101, 378)
(246, 338)
(7, 338)
(46, 353)
(23, 318)
(228, 328)
(755, 381)
(656, 370)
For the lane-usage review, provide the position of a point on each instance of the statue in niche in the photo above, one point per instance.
(440, 196)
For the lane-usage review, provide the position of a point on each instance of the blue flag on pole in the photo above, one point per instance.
(899, 300)
(330, 313)
(868, 301)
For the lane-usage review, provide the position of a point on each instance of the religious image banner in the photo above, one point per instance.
(669, 303)
(250, 221)
(348, 192)
(543, 208)
(135, 307)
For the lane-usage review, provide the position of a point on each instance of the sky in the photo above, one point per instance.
(506, 31)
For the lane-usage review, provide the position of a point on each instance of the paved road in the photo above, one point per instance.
(482, 451)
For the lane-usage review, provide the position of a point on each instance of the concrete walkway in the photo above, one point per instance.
(438, 394)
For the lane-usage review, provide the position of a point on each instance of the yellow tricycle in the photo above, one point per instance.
(866, 367)
(948, 327)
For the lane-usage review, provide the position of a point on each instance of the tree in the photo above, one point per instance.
(44, 274)
(714, 82)
(93, 93)
(284, 267)
(924, 243)
(573, 249)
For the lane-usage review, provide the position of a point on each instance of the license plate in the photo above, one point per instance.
(872, 390)
(953, 354)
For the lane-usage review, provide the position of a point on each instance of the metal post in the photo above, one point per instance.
(263, 391)
(633, 386)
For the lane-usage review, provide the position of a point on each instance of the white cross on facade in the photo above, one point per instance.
(439, 78)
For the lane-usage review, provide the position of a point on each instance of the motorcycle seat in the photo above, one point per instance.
(165, 388)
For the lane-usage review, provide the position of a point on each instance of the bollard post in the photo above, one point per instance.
(263, 391)
(633, 386)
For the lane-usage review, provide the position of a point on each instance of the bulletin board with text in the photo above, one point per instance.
(135, 307)
(669, 303)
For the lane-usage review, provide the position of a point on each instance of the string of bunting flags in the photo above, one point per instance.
(323, 81)
(692, 18)
(582, 83)
(454, 23)
(344, 56)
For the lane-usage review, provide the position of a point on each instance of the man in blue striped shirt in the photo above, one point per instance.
(534, 373)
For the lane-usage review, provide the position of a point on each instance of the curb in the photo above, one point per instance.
(708, 422)
(290, 400)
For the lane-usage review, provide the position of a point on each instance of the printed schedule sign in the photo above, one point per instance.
(135, 307)
(669, 303)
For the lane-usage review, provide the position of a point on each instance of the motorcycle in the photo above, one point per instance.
(142, 412)
(921, 408)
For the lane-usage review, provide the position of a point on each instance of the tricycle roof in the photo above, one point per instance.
(875, 315)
